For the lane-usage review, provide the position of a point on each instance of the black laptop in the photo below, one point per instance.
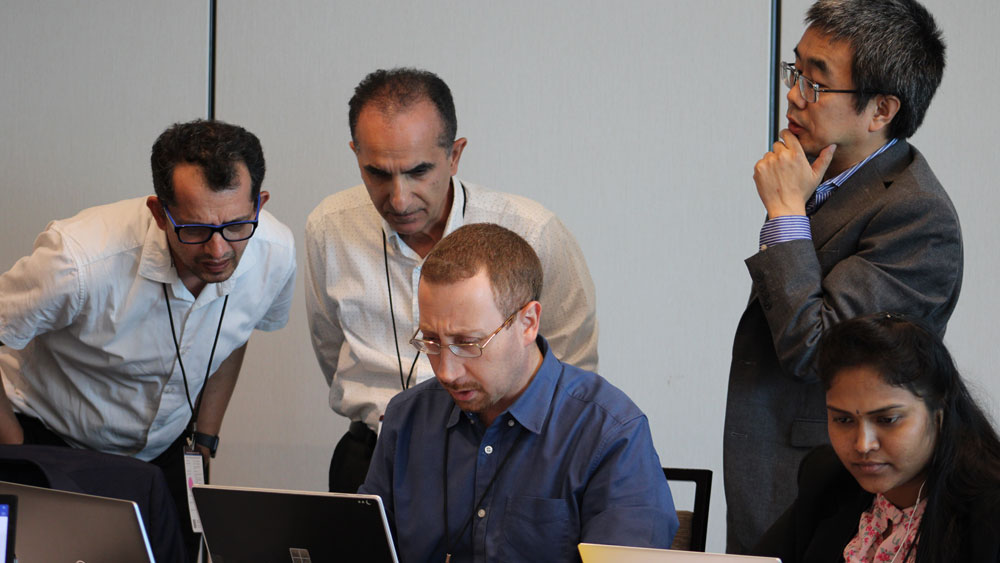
(245, 525)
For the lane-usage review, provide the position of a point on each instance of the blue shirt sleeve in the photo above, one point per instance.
(628, 501)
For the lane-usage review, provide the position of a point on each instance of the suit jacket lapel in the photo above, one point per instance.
(858, 192)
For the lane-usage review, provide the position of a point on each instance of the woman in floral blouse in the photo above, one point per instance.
(913, 474)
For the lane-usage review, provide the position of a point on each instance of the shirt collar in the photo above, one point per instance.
(156, 263)
(839, 179)
(533, 406)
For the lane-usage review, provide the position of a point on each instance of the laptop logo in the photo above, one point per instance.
(299, 555)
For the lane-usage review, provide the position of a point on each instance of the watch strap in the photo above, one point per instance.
(210, 441)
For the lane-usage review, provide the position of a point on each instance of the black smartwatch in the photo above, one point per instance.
(208, 440)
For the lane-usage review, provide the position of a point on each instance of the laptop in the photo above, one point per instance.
(62, 526)
(8, 525)
(244, 525)
(595, 553)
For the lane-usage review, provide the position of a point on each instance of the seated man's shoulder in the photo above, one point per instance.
(590, 393)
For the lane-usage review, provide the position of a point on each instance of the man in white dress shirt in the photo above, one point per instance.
(130, 320)
(365, 246)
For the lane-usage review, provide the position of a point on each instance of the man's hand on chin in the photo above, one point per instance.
(785, 179)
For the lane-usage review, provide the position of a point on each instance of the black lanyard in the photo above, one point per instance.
(450, 543)
(405, 383)
(177, 348)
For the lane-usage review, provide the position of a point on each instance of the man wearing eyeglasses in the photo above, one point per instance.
(365, 246)
(856, 223)
(509, 454)
(130, 320)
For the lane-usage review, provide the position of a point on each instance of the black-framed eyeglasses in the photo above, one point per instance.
(463, 350)
(196, 233)
(809, 89)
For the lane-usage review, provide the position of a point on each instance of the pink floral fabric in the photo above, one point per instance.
(884, 531)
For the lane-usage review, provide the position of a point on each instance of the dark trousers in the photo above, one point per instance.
(171, 462)
(351, 458)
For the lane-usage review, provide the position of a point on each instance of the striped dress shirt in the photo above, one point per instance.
(795, 227)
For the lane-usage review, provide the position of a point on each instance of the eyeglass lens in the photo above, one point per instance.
(232, 233)
(790, 75)
(462, 350)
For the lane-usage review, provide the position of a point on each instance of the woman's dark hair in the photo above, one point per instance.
(964, 471)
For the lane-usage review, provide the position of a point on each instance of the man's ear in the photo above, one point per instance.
(528, 322)
(886, 108)
(153, 203)
(456, 154)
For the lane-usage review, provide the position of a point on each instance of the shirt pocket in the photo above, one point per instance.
(539, 529)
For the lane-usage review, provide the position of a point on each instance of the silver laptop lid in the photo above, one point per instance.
(245, 525)
(595, 553)
(61, 526)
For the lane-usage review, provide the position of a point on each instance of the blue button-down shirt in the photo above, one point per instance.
(582, 468)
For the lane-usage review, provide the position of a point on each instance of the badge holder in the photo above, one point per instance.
(194, 474)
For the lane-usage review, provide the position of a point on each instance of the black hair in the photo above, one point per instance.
(400, 88)
(897, 49)
(217, 147)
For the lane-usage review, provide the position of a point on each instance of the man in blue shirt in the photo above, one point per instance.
(509, 454)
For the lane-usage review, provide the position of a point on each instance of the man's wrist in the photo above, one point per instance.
(209, 441)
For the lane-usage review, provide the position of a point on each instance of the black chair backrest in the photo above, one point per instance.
(702, 479)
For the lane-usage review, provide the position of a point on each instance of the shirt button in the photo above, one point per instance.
(510, 422)
(488, 449)
(481, 513)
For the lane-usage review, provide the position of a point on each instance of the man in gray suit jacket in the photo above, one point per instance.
(856, 223)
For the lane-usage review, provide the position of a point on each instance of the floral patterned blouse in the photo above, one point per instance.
(883, 532)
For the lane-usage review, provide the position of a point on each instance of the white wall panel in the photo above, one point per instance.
(86, 87)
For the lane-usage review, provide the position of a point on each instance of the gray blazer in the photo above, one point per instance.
(887, 240)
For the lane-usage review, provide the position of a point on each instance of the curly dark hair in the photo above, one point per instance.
(215, 146)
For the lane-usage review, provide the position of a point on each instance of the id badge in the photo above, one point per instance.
(194, 474)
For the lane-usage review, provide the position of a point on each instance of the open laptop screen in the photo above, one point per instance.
(62, 526)
(245, 525)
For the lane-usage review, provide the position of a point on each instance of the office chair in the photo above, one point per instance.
(693, 531)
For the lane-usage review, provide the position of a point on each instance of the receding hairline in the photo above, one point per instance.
(388, 110)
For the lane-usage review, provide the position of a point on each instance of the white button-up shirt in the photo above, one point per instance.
(88, 344)
(348, 300)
